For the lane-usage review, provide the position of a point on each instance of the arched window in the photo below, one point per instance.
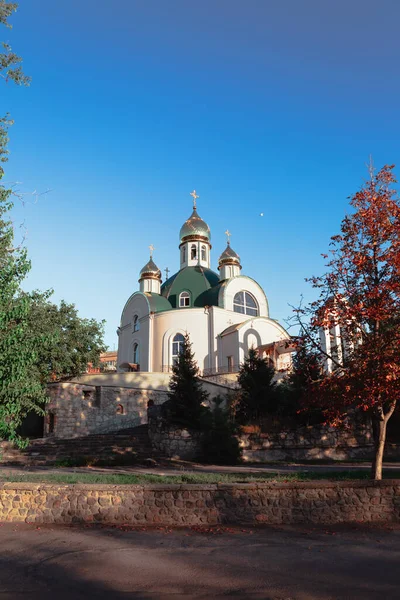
(193, 251)
(177, 346)
(136, 356)
(245, 303)
(184, 254)
(136, 323)
(184, 299)
(203, 253)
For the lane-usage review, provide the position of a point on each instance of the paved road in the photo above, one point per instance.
(302, 563)
(180, 467)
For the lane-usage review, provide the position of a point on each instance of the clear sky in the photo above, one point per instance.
(261, 106)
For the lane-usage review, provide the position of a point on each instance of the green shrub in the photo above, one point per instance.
(221, 446)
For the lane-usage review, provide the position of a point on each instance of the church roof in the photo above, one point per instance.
(199, 281)
(157, 303)
(195, 226)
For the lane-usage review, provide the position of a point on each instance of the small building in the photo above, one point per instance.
(108, 363)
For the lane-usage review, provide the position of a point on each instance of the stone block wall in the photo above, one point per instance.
(180, 505)
(312, 443)
(170, 441)
(101, 403)
(77, 409)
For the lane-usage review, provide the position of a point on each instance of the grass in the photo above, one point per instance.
(206, 478)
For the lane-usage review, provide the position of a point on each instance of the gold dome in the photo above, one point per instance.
(150, 271)
(229, 256)
(195, 227)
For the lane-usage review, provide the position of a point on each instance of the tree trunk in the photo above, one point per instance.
(379, 425)
(379, 433)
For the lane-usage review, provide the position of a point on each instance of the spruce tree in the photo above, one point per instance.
(186, 396)
(257, 389)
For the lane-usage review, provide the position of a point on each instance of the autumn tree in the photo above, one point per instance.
(359, 297)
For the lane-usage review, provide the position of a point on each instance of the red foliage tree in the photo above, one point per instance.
(360, 295)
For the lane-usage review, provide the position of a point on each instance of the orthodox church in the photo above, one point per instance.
(224, 313)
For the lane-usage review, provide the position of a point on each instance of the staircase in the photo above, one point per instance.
(124, 447)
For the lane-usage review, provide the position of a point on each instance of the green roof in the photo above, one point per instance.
(157, 303)
(198, 281)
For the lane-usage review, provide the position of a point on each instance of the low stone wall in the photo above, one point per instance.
(170, 441)
(179, 505)
(312, 443)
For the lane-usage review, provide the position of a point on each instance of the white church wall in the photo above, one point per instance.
(137, 305)
(229, 347)
(238, 284)
(221, 320)
(257, 332)
(195, 321)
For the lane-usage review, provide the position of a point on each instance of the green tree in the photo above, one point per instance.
(38, 340)
(186, 396)
(19, 391)
(69, 341)
(292, 392)
(256, 395)
(221, 444)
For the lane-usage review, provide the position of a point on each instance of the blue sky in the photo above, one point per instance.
(261, 106)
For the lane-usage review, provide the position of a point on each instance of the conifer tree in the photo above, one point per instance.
(257, 389)
(186, 396)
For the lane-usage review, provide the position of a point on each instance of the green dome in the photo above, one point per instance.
(195, 226)
(195, 280)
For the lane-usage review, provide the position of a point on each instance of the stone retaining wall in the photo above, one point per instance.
(313, 443)
(100, 403)
(179, 505)
(172, 441)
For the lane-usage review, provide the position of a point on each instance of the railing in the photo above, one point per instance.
(221, 371)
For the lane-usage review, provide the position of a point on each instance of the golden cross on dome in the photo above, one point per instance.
(151, 248)
(228, 234)
(195, 196)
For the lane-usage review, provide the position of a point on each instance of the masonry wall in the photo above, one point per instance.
(77, 410)
(179, 505)
(101, 403)
(313, 443)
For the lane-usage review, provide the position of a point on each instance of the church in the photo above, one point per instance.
(224, 313)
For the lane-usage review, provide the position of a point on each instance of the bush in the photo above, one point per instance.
(221, 446)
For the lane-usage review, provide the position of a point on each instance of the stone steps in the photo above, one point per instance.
(121, 447)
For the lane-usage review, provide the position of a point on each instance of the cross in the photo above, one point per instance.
(151, 248)
(195, 196)
(228, 234)
(166, 272)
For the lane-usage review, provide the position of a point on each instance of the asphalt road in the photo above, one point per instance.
(292, 563)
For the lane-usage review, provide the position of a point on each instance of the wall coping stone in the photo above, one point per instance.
(355, 483)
